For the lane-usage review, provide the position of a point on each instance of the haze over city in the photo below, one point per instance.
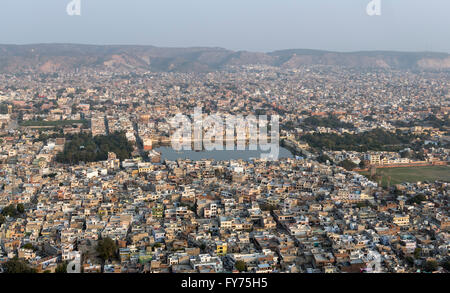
(253, 25)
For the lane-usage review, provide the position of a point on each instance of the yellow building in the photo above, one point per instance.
(145, 167)
(221, 249)
(401, 220)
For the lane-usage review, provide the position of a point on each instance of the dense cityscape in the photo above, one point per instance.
(84, 178)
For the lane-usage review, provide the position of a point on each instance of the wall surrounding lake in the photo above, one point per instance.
(167, 153)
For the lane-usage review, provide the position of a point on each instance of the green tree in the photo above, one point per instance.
(28, 246)
(241, 266)
(61, 268)
(20, 208)
(363, 164)
(347, 165)
(417, 252)
(405, 154)
(446, 265)
(362, 204)
(417, 199)
(106, 249)
(431, 266)
(410, 260)
(323, 158)
(17, 266)
(9, 211)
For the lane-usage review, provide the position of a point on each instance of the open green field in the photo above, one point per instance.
(413, 174)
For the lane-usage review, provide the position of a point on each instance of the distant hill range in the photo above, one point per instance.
(49, 58)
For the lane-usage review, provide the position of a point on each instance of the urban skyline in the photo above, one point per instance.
(187, 158)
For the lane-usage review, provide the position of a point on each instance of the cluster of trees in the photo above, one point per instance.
(429, 266)
(446, 264)
(51, 175)
(44, 136)
(61, 268)
(323, 158)
(435, 122)
(374, 140)
(289, 125)
(85, 148)
(347, 165)
(268, 207)
(54, 123)
(331, 122)
(3, 108)
(29, 246)
(107, 249)
(241, 266)
(17, 266)
(11, 211)
(431, 120)
(363, 204)
(417, 155)
(417, 199)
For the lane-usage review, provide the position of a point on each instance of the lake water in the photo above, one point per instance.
(167, 153)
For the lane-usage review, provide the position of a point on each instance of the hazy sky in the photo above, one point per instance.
(254, 25)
